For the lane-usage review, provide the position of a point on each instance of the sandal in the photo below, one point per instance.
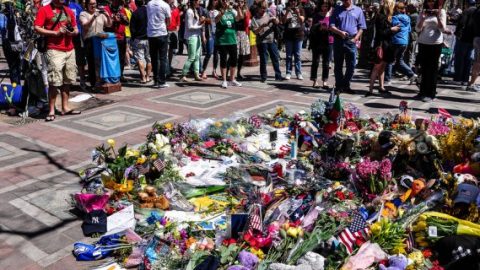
(50, 118)
(71, 112)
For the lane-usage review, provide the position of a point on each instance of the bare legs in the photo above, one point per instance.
(378, 71)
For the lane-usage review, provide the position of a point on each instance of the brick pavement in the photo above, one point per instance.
(39, 161)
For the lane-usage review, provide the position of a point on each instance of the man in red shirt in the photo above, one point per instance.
(173, 33)
(120, 20)
(57, 23)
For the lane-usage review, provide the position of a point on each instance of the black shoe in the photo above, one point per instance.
(418, 96)
(240, 77)
(156, 85)
(263, 80)
(348, 90)
(368, 94)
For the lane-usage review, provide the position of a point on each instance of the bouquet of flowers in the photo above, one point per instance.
(374, 176)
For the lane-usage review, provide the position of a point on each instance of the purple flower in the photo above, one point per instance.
(385, 169)
(247, 259)
(367, 168)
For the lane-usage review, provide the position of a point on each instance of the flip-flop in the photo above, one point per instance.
(72, 112)
(50, 118)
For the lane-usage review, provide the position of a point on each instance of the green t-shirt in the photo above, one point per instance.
(226, 33)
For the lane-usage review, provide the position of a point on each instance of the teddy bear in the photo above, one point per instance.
(396, 262)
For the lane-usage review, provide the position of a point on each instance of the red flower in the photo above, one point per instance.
(427, 253)
(340, 195)
(350, 195)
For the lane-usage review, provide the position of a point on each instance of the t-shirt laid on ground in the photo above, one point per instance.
(96, 27)
(226, 33)
(265, 35)
(46, 18)
(294, 27)
(157, 12)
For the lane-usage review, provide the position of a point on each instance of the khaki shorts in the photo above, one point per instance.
(476, 47)
(141, 50)
(62, 67)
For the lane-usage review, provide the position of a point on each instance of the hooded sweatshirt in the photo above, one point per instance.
(403, 21)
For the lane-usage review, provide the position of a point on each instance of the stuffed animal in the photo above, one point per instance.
(396, 262)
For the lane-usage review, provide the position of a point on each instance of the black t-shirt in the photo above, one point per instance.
(465, 25)
(138, 23)
(476, 23)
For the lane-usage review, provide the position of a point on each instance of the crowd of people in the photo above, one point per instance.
(402, 37)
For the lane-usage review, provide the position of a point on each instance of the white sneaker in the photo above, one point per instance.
(288, 77)
(164, 85)
(235, 83)
(224, 84)
(300, 77)
(476, 87)
(413, 79)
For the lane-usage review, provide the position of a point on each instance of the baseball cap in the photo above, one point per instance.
(467, 193)
(95, 222)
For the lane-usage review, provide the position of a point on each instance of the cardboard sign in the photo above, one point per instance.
(121, 220)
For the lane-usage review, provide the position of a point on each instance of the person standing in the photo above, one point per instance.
(210, 46)
(262, 26)
(226, 40)
(431, 25)
(138, 29)
(173, 35)
(57, 23)
(80, 57)
(400, 41)
(93, 22)
(193, 31)
(464, 45)
(158, 13)
(321, 43)
(347, 23)
(119, 20)
(382, 45)
(294, 19)
(242, 27)
(476, 46)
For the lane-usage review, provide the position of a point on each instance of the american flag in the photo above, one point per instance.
(357, 231)
(255, 121)
(159, 164)
(444, 113)
(255, 220)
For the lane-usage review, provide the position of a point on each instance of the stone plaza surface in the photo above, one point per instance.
(39, 161)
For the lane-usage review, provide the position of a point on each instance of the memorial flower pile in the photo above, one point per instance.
(325, 189)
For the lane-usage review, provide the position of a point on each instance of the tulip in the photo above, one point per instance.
(111, 142)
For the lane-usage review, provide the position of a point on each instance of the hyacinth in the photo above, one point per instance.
(367, 168)
(437, 128)
(385, 169)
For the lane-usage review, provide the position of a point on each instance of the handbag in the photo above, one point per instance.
(41, 41)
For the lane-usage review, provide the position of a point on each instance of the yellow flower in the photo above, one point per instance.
(218, 124)
(230, 130)
(5, 89)
(14, 85)
(258, 252)
(375, 228)
(168, 126)
(111, 142)
(141, 159)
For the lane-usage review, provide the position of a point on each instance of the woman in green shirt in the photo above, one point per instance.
(226, 40)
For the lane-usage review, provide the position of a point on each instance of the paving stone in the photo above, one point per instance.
(51, 241)
(199, 98)
(18, 150)
(18, 223)
(111, 122)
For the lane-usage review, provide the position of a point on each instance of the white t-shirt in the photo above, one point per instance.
(430, 32)
(157, 12)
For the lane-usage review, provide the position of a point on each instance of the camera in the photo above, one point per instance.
(431, 12)
(69, 28)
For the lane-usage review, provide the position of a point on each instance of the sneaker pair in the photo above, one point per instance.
(289, 76)
(160, 85)
(232, 83)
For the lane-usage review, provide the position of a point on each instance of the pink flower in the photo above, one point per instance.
(385, 169)
(367, 168)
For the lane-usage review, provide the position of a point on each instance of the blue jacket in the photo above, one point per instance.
(401, 37)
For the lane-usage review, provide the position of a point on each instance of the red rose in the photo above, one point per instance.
(340, 195)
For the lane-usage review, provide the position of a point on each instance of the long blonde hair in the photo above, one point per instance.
(388, 8)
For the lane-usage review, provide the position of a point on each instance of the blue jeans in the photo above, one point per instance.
(400, 65)
(294, 48)
(264, 50)
(211, 49)
(462, 60)
(344, 51)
